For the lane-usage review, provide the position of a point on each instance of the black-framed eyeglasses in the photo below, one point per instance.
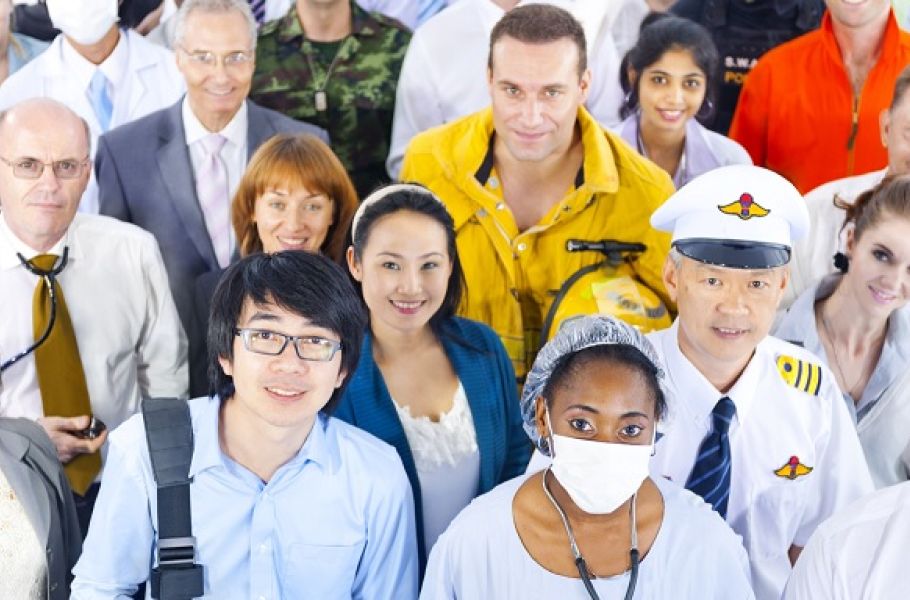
(272, 343)
(32, 168)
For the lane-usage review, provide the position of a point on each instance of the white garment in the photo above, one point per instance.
(129, 335)
(144, 78)
(812, 255)
(23, 565)
(694, 556)
(433, 89)
(447, 460)
(774, 422)
(860, 553)
(233, 153)
(883, 411)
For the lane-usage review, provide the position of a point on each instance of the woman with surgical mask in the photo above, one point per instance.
(593, 524)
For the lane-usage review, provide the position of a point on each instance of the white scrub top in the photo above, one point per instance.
(694, 556)
(777, 424)
(859, 554)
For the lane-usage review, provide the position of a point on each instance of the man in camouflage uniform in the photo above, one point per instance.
(330, 63)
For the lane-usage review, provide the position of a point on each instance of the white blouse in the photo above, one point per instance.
(447, 460)
(23, 567)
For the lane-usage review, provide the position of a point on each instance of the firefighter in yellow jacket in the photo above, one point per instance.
(533, 171)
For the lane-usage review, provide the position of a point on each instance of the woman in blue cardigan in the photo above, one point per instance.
(437, 387)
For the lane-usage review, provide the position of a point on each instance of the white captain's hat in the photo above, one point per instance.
(739, 216)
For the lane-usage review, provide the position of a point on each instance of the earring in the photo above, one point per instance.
(841, 262)
(707, 107)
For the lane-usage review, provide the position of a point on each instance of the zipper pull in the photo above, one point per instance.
(855, 126)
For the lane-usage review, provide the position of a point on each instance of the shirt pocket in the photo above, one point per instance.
(320, 572)
(774, 518)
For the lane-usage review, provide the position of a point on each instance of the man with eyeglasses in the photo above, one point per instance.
(286, 501)
(112, 331)
(105, 74)
(175, 171)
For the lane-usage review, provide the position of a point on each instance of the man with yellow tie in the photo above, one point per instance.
(88, 325)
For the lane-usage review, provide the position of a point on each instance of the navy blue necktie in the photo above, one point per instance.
(258, 9)
(710, 477)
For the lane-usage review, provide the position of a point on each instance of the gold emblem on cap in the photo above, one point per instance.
(745, 208)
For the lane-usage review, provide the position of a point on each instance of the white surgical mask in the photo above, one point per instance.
(83, 21)
(598, 476)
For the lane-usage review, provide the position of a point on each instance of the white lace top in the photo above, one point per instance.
(448, 463)
(23, 568)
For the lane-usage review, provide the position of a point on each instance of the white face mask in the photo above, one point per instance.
(83, 21)
(598, 476)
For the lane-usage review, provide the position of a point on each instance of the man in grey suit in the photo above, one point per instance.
(174, 171)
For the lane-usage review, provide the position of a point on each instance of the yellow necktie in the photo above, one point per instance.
(60, 375)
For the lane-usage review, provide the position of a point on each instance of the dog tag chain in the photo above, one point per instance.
(320, 98)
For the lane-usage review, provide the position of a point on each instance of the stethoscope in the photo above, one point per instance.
(50, 277)
(580, 563)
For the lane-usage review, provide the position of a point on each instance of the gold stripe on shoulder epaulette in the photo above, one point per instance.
(803, 375)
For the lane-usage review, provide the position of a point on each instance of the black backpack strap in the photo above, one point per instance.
(169, 433)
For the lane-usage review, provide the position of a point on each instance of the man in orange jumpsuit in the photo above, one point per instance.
(810, 108)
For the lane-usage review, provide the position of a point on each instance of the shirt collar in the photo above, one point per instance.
(701, 395)
(891, 39)
(114, 66)
(320, 447)
(235, 131)
(362, 24)
(798, 325)
(10, 244)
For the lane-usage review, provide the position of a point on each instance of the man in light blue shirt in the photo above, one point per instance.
(287, 502)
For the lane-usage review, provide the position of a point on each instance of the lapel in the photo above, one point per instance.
(380, 414)
(259, 128)
(176, 171)
(139, 62)
(57, 83)
(475, 382)
(29, 490)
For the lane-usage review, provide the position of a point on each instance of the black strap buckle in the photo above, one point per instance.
(177, 576)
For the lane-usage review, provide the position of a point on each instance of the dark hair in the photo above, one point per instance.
(423, 202)
(132, 12)
(891, 197)
(901, 85)
(662, 33)
(304, 283)
(540, 24)
(571, 366)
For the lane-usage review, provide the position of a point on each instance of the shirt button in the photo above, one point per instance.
(522, 247)
(500, 206)
(263, 548)
(493, 183)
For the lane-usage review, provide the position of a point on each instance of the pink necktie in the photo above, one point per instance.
(212, 190)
